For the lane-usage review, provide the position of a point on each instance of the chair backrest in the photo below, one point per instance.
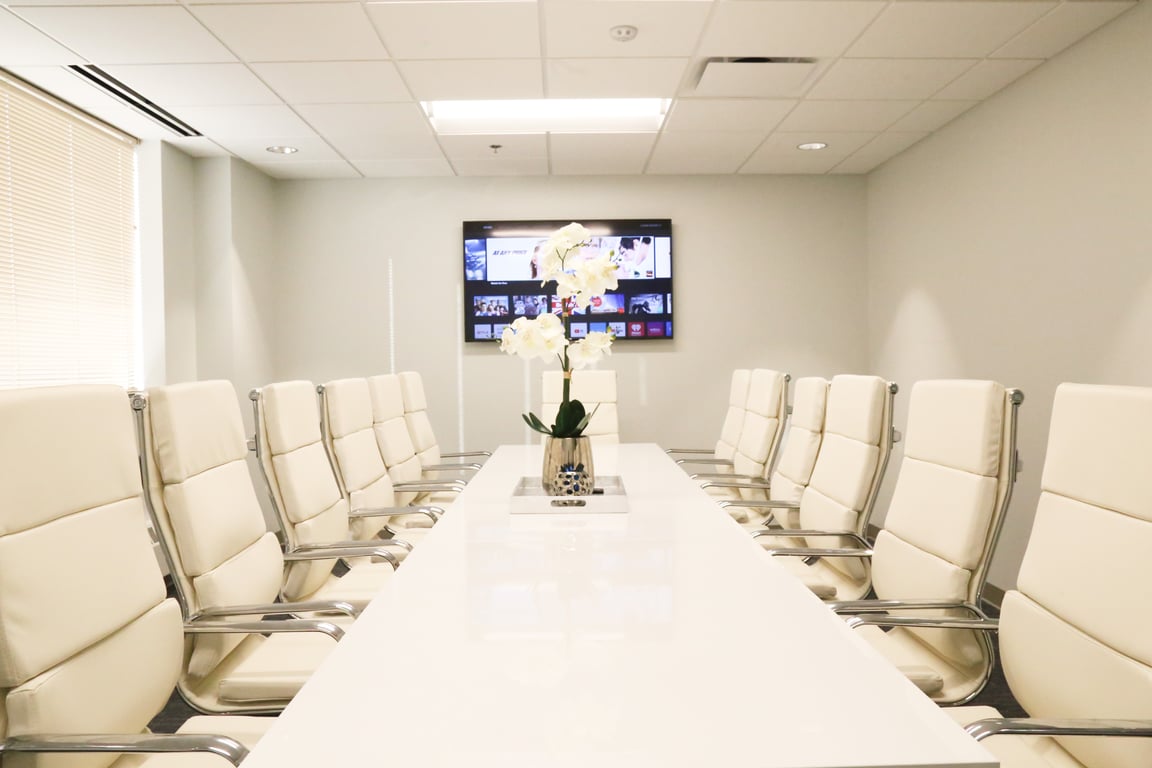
(392, 436)
(595, 389)
(416, 416)
(346, 408)
(204, 508)
(955, 482)
(850, 466)
(765, 411)
(70, 501)
(1074, 634)
(734, 416)
(801, 446)
(299, 477)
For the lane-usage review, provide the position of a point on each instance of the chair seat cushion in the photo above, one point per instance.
(1016, 751)
(273, 668)
(938, 677)
(826, 582)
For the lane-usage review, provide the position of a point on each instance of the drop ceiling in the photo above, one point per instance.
(343, 81)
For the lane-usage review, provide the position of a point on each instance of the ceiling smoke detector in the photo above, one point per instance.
(623, 33)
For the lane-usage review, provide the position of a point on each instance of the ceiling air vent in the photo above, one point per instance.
(117, 89)
(762, 77)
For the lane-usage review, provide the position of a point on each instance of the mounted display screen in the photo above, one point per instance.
(501, 263)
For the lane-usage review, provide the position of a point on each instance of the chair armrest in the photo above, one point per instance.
(759, 504)
(881, 606)
(1035, 726)
(462, 454)
(706, 460)
(133, 743)
(439, 485)
(263, 609)
(263, 627)
(451, 467)
(793, 532)
(688, 451)
(432, 513)
(923, 622)
(328, 551)
(732, 481)
(729, 476)
(819, 552)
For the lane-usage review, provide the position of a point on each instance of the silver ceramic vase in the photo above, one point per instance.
(567, 469)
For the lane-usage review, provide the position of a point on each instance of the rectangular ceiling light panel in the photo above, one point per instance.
(546, 115)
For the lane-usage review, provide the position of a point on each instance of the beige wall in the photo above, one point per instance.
(1016, 243)
(769, 271)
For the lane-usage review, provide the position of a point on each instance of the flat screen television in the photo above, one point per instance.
(500, 283)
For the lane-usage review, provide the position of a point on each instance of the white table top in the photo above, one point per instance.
(660, 637)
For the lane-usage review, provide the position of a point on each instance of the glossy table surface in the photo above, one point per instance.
(662, 636)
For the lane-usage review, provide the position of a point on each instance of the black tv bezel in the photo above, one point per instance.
(473, 230)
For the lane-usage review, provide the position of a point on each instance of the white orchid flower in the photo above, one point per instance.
(589, 349)
(542, 336)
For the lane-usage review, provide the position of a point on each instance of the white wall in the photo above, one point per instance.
(1016, 243)
(769, 271)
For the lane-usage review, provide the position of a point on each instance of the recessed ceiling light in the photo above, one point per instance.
(812, 146)
(543, 115)
(281, 150)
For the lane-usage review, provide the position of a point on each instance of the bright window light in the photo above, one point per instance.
(544, 115)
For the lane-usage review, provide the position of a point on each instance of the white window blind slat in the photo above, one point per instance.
(67, 245)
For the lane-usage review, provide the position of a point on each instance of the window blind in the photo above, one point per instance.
(68, 295)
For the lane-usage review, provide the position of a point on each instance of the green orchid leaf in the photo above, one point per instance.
(568, 418)
(533, 422)
(584, 421)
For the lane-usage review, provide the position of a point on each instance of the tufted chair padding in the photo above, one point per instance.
(734, 416)
(392, 436)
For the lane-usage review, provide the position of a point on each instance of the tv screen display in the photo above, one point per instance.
(501, 262)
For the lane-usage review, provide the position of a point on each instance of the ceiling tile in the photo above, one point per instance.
(334, 82)
(613, 78)
(1060, 28)
(312, 149)
(359, 119)
(336, 169)
(727, 114)
(199, 85)
(197, 146)
(449, 30)
(786, 27)
(881, 149)
(600, 154)
(986, 78)
(380, 146)
(475, 79)
(888, 78)
(846, 115)
(943, 29)
(273, 124)
(288, 31)
(758, 79)
(931, 115)
(665, 29)
(390, 168)
(840, 144)
(501, 166)
(129, 34)
(23, 44)
(702, 151)
(516, 146)
(799, 163)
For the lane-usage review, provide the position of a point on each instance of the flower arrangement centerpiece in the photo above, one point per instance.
(581, 274)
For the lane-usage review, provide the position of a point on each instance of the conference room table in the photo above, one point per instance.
(644, 629)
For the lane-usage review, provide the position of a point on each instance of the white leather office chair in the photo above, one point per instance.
(1073, 635)
(409, 478)
(221, 556)
(947, 508)
(765, 411)
(724, 451)
(420, 426)
(302, 484)
(350, 436)
(793, 470)
(845, 481)
(595, 389)
(90, 652)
